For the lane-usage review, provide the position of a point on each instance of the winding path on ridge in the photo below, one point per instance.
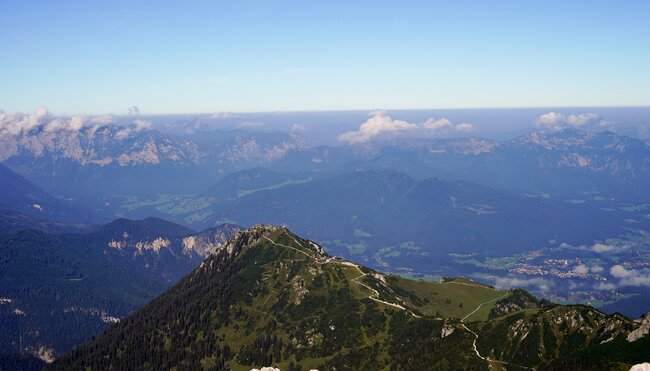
(474, 348)
(482, 304)
(375, 296)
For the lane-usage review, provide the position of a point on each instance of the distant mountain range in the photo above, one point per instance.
(568, 162)
(100, 159)
(87, 159)
(57, 290)
(271, 298)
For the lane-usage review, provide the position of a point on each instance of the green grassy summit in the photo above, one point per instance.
(269, 297)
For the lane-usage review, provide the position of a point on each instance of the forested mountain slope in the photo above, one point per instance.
(269, 297)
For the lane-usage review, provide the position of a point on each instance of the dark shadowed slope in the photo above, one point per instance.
(57, 290)
(21, 196)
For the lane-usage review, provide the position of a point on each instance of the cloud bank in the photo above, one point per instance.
(19, 123)
(436, 125)
(631, 277)
(555, 121)
(377, 125)
(581, 269)
(381, 125)
(599, 247)
(465, 127)
(508, 282)
(43, 123)
(138, 126)
(605, 286)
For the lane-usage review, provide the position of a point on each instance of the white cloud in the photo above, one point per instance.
(378, 124)
(75, 124)
(507, 282)
(605, 286)
(465, 127)
(138, 126)
(550, 118)
(103, 120)
(581, 269)
(54, 125)
(437, 125)
(141, 125)
(20, 123)
(597, 269)
(599, 247)
(97, 122)
(619, 271)
(582, 119)
(557, 121)
(42, 120)
(134, 111)
(381, 125)
(631, 277)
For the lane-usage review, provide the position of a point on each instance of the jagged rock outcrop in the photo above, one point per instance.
(642, 330)
(208, 241)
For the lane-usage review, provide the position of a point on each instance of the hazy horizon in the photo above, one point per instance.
(330, 127)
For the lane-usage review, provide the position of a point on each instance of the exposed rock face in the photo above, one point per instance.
(447, 329)
(249, 149)
(642, 330)
(105, 317)
(519, 300)
(596, 151)
(140, 247)
(154, 245)
(101, 141)
(208, 241)
(90, 140)
(44, 353)
(565, 324)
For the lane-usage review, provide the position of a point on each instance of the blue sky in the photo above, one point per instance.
(207, 56)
